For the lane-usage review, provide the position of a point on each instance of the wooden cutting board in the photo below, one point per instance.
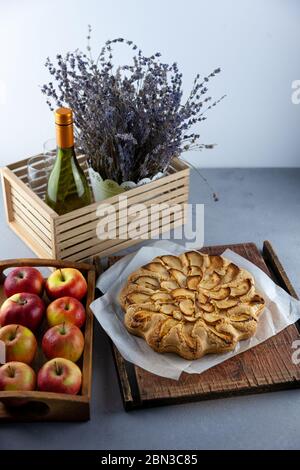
(267, 367)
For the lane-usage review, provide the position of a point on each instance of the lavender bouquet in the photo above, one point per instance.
(130, 120)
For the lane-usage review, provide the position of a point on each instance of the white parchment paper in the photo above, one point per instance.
(281, 310)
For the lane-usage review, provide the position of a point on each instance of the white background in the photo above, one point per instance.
(255, 42)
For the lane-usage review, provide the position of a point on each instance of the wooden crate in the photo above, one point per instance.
(48, 406)
(264, 368)
(73, 236)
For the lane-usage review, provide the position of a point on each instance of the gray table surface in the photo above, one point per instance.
(254, 205)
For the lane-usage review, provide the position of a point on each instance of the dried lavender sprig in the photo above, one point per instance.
(213, 192)
(130, 121)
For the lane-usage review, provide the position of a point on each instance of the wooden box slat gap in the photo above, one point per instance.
(103, 248)
(142, 191)
(93, 242)
(32, 216)
(28, 194)
(45, 221)
(32, 233)
(20, 167)
(20, 218)
(111, 246)
(21, 210)
(35, 247)
(72, 243)
(63, 226)
(74, 240)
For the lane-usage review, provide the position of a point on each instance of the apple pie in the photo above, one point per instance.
(193, 304)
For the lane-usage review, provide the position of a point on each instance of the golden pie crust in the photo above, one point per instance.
(193, 304)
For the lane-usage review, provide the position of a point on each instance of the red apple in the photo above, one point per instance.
(65, 340)
(66, 309)
(60, 376)
(66, 282)
(23, 279)
(17, 376)
(22, 309)
(20, 343)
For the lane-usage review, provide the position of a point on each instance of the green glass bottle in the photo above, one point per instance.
(68, 187)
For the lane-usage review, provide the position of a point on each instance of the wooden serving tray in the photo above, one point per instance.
(267, 367)
(48, 406)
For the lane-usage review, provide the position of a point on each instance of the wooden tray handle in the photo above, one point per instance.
(29, 410)
(275, 265)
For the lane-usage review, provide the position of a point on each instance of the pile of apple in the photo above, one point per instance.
(21, 315)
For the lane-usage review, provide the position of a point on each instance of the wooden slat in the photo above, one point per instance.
(46, 222)
(104, 248)
(38, 188)
(177, 197)
(84, 231)
(154, 233)
(7, 199)
(42, 188)
(19, 164)
(166, 191)
(32, 234)
(140, 190)
(35, 246)
(54, 240)
(22, 171)
(22, 175)
(88, 345)
(124, 383)
(29, 195)
(20, 215)
(94, 240)
(91, 215)
(276, 267)
(179, 165)
(163, 218)
(42, 230)
(108, 251)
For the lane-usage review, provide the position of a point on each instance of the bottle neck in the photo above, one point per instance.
(64, 136)
(65, 155)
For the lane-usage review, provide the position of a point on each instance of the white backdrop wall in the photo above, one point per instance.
(255, 42)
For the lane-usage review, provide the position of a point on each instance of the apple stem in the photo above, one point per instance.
(16, 331)
(20, 302)
(61, 274)
(57, 368)
(63, 330)
(11, 371)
